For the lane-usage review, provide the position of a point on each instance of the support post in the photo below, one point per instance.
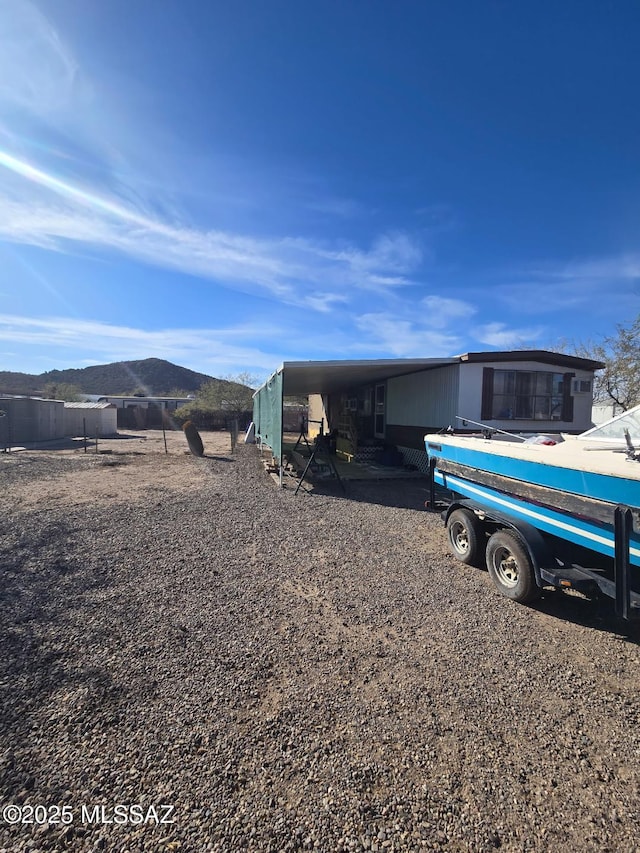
(281, 460)
(432, 483)
(623, 525)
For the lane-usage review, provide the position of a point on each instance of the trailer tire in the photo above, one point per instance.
(466, 537)
(510, 567)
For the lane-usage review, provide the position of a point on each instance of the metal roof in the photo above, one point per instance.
(89, 406)
(331, 377)
(325, 377)
(557, 359)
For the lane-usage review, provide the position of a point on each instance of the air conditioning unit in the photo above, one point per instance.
(581, 386)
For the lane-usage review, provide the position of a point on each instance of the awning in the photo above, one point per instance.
(334, 377)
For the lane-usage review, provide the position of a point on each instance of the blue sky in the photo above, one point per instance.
(231, 185)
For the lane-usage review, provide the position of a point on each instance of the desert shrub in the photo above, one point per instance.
(207, 418)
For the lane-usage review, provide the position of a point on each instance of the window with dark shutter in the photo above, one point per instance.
(526, 395)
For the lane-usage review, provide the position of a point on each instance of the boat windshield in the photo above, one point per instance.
(614, 430)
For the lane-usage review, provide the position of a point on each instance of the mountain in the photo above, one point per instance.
(19, 383)
(151, 376)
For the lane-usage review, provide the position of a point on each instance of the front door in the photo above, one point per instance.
(378, 414)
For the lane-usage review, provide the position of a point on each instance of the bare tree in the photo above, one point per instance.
(619, 382)
(228, 395)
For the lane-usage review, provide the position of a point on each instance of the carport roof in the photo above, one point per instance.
(327, 377)
(331, 377)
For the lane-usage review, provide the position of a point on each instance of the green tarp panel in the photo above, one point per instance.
(267, 414)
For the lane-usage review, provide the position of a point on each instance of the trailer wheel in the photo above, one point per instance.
(464, 530)
(511, 568)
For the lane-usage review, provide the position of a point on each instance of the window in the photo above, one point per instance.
(526, 395)
(581, 386)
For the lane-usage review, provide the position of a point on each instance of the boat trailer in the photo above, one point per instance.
(547, 559)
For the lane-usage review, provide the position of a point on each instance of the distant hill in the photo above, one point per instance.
(19, 383)
(150, 376)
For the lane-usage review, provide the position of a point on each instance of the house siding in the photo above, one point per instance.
(419, 402)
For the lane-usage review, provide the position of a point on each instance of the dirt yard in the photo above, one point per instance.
(193, 659)
(129, 467)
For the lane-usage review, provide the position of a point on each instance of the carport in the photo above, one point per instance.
(297, 378)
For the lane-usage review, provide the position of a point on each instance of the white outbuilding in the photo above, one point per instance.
(90, 419)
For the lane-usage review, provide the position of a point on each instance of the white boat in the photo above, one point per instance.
(564, 501)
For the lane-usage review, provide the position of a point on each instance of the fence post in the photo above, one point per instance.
(164, 414)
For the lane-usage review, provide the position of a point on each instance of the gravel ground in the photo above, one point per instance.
(290, 673)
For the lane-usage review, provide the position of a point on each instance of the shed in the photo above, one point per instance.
(30, 419)
(90, 419)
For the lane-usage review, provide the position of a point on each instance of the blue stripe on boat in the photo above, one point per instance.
(602, 487)
(594, 537)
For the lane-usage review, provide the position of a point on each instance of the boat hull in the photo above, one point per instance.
(574, 480)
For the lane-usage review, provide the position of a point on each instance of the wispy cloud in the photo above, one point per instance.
(44, 343)
(579, 284)
(399, 337)
(115, 207)
(440, 311)
(620, 267)
(41, 209)
(501, 336)
(431, 327)
(386, 264)
(219, 350)
(110, 200)
(37, 71)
